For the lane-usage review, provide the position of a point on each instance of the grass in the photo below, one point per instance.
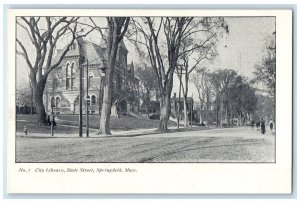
(32, 127)
(123, 123)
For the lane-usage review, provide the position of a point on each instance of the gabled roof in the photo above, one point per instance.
(92, 52)
(104, 45)
(88, 50)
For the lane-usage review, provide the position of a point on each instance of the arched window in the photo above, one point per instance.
(57, 102)
(93, 100)
(91, 76)
(70, 75)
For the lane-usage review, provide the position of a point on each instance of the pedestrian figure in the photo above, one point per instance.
(252, 124)
(48, 122)
(263, 126)
(271, 125)
(257, 125)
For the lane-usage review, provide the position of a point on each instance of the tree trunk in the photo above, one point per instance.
(201, 112)
(147, 101)
(226, 114)
(31, 100)
(101, 90)
(107, 91)
(164, 114)
(179, 106)
(186, 120)
(221, 113)
(207, 108)
(217, 110)
(165, 106)
(38, 91)
(106, 107)
(105, 111)
(115, 36)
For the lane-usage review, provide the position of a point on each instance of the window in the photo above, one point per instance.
(52, 102)
(70, 76)
(93, 100)
(91, 76)
(68, 85)
(54, 83)
(57, 103)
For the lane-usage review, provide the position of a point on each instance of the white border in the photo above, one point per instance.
(169, 178)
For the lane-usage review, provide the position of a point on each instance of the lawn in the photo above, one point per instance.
(32, 127)
(123, 123)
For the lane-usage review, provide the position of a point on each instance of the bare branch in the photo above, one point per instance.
(199, 46)
(125, 27)
(25, 55)
(27, 31)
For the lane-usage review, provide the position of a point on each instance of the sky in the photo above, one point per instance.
(240, 49)
(243, 47)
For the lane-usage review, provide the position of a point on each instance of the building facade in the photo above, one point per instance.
(62, 88)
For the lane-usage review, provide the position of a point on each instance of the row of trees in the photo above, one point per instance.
(172, 45)
(265, 72)
(167, 43)
(265, 79)
(229, 94)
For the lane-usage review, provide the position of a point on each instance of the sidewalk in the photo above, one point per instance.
(92, 133)
(114, 133)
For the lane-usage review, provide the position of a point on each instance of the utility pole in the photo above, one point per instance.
(87, 99)
(80, 101)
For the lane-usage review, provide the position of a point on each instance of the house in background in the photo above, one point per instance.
(62, 88)
(177, 102)
(205, 112)
(149, 109)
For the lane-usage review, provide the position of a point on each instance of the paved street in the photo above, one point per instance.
(214, 145)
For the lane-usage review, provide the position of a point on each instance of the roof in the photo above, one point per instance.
(90, 51)
(121, 45)
(104, 45)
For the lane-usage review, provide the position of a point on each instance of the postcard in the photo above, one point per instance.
(138, 101)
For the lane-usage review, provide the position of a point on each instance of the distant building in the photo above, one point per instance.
(177, 102)
(62, 88)
(153, 107)
(205, 112)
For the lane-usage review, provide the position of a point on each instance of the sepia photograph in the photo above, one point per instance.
(171, 89)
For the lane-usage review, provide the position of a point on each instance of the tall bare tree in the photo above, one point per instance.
(266, 72)
(148, 84)
(175, 29)
(163, 37)
(190, 60)
(204, 86)
(223, 80)
(117, 27)
(44, 34)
